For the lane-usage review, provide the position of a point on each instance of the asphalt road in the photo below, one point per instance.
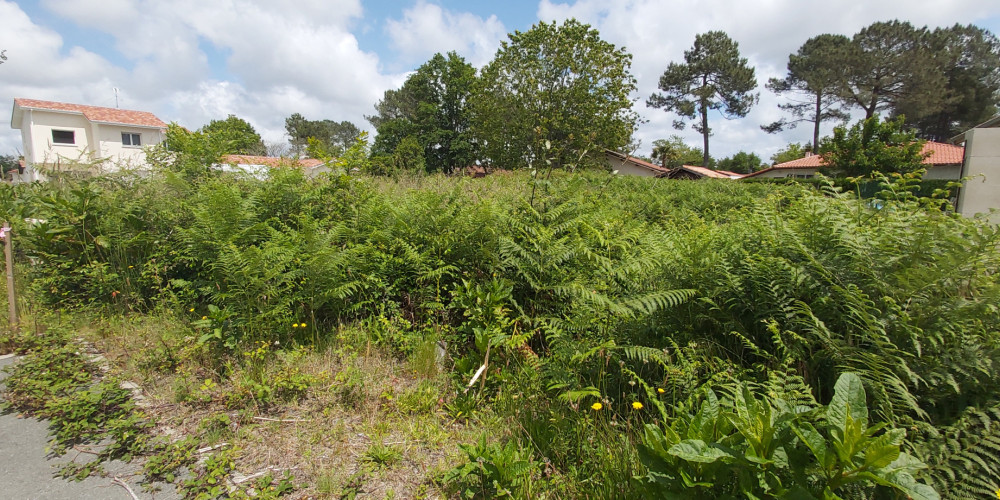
(27, 473)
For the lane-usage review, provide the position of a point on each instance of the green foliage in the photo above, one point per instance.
(673, 153)
(329, 138)
(713, 76)
(234, 135)
(583, 289)
(792, 151)
(550, 94)
(872, 146)
(493, 470)
(432, 129)
(741, 162)
(768, 447)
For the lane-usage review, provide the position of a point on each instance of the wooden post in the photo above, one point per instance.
(8, 254)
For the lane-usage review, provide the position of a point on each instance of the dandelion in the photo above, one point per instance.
(204, 317)
(636, 405)
(191, 310)
(998, 492)
(596, 406)
(295, 325)
(302, 325)
(660, 390)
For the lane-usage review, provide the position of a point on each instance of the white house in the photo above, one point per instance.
(943, 161)
(69, 137)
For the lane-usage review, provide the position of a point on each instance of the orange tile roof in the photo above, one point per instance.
(271, 161)
(96, 113)
(937, 154)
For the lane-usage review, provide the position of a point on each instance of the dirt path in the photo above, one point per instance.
(26, 472)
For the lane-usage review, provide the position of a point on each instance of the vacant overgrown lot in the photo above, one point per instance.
(641, 338)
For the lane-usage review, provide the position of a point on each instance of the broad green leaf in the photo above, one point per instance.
(696, 450)
(814, 441)
(848, 401)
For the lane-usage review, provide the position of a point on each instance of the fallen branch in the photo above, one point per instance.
(475, 377)
(265, 419)
(125, 485)
(84, 450)
(210, 448)
(251, 477)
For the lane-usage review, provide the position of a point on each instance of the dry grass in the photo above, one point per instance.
(369, 423)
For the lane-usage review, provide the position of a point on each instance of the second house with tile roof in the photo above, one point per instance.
(943, 161)
(63, 137)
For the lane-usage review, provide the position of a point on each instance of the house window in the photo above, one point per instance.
(130, 139)
(63, 137)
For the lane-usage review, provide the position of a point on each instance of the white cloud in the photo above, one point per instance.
(658, 32)
(426, 29)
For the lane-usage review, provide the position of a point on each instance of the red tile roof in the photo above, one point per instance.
(96, 113)
(271, 161)
(937, 154)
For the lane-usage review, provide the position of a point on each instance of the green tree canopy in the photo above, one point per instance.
(334, 137)
(673, 152)
(553, 93)
(968, 58)
(431, 108)
(234, 135)
(890, 66)
(792, 151)
(811, 83)
(713, 76)
(741, 163)
(870, 146)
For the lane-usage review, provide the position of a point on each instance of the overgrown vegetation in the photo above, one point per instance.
(631, 337)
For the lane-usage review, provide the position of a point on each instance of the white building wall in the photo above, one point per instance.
(119, 155)
(982, 163)
(951, 172)
(787, 172)
(36, 130)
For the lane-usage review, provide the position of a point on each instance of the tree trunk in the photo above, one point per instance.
(819, 114)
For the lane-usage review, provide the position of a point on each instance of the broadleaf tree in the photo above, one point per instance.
(741, 163)
(431, 108)
(551, 95)
(811, 84)
(713, 76)
(234, 135)
(872, 145)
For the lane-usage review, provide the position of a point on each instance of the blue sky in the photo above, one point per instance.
(192, 61)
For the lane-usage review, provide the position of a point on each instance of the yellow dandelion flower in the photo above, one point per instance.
(204, 317)
(191, 310)
(636, 405)
(660, 390)
(998, 492)
(596, 406)
(295, 325)
(302, 325)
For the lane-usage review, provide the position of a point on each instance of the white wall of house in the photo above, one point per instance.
(119, 154)
(92, 141)
(36, 133)
(788, 172)
(625, 167)
(982, 163)
(951, 172)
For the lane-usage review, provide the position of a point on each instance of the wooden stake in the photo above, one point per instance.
(8, 253)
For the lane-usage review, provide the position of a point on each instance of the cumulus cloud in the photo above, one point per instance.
(276, 60)
(426, 29)
(192, 61)
(657, 33)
